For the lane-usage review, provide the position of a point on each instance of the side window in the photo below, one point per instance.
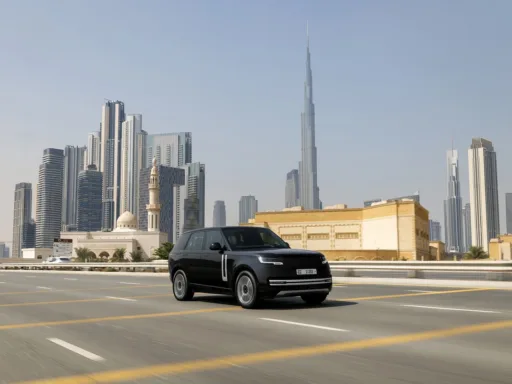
(182, 241)
(195, 243)
(213, 236)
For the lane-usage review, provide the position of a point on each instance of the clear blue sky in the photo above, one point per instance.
(393, 81)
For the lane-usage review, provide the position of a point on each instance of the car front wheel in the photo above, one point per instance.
(246, 290)
(314, 298)
(180, 287)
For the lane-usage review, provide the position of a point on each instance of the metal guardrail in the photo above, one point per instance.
(154, 266)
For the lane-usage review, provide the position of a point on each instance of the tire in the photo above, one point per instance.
(314, 298)
(246, 290)
(180, 287)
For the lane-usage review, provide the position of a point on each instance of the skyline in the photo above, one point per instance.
(376, 107)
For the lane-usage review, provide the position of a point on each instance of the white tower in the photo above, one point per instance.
(153, 207)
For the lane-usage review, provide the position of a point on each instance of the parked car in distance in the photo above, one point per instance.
(250, 263)
(54, 260)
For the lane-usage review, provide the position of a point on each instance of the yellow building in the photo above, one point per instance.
(501, 248)
(384, 231)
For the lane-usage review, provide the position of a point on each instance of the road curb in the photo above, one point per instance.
(424, 282)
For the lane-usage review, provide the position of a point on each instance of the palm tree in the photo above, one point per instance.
(475, 253)
(163, 251)
(83, 254)
(118, 256)
(137, 256)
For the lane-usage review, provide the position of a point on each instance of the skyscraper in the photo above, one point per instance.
(219, 214)
(49, 198)
(89, 200)
(453, 205)
(133, 158)
(309, 191)
(247, 208)
(508, 211)
(189, 200)
(169, 149)
(22, 218)
(74, 161)
(112, 118)
(466, 226)
(483, 192)
(292, 189)
(168, 179)
(435, 230)
(94, 150)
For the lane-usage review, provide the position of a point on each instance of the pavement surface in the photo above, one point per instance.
(79, 328)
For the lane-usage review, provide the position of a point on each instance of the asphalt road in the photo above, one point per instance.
(72, 329)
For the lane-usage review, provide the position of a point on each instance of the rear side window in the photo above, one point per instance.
(182, 241)
(195, 243)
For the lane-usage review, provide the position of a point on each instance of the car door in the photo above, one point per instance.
(193, 257)
(212, 260)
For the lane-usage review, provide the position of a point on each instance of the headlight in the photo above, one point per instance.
(266, 260)
(324, 259)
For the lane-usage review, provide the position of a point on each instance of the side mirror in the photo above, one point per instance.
(215, 247)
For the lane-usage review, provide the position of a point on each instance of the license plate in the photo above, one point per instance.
(306, 271)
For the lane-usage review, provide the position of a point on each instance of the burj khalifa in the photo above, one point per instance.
(309, 191)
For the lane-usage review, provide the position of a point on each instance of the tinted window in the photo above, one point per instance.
(182, 241)
(213, 236)
(252, 237)
(195, 243)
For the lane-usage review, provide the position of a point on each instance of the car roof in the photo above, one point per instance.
(224, 227)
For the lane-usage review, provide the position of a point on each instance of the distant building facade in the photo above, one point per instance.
(435, 230)
(89, 200)
(247, 208)
(219, 213)
(49, 198)
(74, 163)
(292, 189)
(22, 235)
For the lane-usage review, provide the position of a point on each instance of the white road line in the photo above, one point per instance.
(123, 282)
(448, 309)
(2, 282)
(74, 348)
(419, 290)
(69, 278)
(119, 298)
(29, 277)
(305, 325)
(43, 288)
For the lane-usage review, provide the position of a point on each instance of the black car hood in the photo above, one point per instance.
(284, 252)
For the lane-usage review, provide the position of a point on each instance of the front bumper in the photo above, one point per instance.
(295, 287)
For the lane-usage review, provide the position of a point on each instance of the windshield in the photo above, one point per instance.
(252, 237)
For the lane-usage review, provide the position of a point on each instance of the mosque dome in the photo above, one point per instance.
(126, 222)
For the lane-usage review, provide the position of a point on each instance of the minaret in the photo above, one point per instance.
(153, 207)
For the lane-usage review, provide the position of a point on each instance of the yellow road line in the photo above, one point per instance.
(269, 356)
(82, 300)
(413, 294)
(85, 289)
(115, 318)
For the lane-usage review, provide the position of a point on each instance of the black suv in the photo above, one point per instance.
(251, 263)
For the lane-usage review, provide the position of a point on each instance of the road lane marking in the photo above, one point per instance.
(116, 318)
(305, 325)
(43, 287)
(124, 282)
(2, 282)
(419, 290)
(414, 294)
(29, 277)
(77, 350)
(448, 308)
(212, 364)
(70, 278)
(83, 290)
(80, 300)
(119, 298)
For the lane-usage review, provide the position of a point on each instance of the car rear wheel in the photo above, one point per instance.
(180, 287)
(246, 290)
(314, 298)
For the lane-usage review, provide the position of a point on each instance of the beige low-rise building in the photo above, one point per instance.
(501, 248)
(388, 230)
